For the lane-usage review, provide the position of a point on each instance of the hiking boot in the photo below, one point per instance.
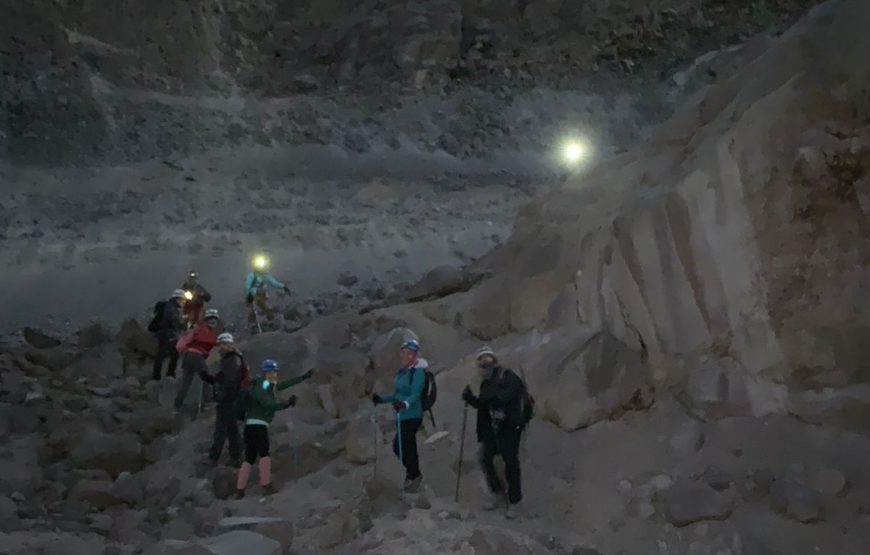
(269, 489)
(413, 485)
(240, 493)
(492, 502)
(514, 511)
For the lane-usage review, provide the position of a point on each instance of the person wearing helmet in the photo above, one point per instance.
(199, 295)
(167, 325)
(255, 289)
(231, 377)
(264, 405)
(408, 404)
(500, 423)
(195, 347)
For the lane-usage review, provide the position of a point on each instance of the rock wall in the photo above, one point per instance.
(739, 230)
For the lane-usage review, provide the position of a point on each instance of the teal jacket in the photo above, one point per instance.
(258, 280)
(408, 387)
(264, 402)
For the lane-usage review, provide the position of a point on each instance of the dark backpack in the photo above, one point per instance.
(430, 391)
(528, 405)
(156, 323)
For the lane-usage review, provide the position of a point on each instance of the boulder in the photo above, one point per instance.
(176, 547)
(154, 422)
(277, 529)
(600, 380)
(129, 489)
(98, 494)
(242, 541)
(440, 282)
(327, 400)
(689, 501)
(114, 453)
(36, 338)
(224, 482)
(8, 512)
(796, 501)
(54, 359)
(362, 436)
(135, 341)
(92, 336)
(828, 481)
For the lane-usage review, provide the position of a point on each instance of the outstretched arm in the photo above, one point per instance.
(294, 381)
(274, 282)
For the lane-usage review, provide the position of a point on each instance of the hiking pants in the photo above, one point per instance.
(165, 348)
(258, 301)
(256, 442)
(410, 460)
(226, 429)
(191, 365)
(504, 442)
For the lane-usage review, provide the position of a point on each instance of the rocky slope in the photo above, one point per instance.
(688, 315)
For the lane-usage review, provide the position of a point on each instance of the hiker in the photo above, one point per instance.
(407, 402)
(167, 325)
(231, 377)
(196, 345)
(263, 406)
(199, 295)
(255, 289)
(500, 423)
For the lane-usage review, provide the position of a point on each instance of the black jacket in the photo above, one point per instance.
(200, 294)
(171, 320)
(228, 379)
(499, 403)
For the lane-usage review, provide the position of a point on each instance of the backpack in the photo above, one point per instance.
(156, 323)
(527, 405)
(243, 399)
(430, 391)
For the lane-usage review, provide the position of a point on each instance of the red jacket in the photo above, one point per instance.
(200, 340)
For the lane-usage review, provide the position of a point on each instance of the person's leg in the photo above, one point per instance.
(159, 357)
(263, 304)
(188, 366)
(486, 455)
(409, 447)
(250, 457)
(220, 434)
(173, 358)
(509, 441)
(232, 432)
(249, 301)
(265, 458)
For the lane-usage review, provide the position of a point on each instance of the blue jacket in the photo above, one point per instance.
(254, 282)
(409, 388)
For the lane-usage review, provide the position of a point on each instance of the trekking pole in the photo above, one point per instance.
(461, 452)
(257, 319)
(401, 457)
(199, 403)
(375, 445)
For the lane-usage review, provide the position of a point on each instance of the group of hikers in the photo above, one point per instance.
(183, 327)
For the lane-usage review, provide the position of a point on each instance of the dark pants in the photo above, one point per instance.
(191, 365)
(409, 447)
(226, 429)
(505, 442)
(193, 312)
(165, 348)
(256, 442)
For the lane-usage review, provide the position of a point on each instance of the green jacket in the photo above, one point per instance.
(264, 402)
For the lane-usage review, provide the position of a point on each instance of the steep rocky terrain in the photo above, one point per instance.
(689, 315)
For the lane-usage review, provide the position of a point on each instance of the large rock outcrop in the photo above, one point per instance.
(739, 230)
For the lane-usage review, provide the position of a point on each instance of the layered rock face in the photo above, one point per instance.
(731, 248)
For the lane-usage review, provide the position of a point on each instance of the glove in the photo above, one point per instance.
(307, 375)
(467, 394)
(376, 399)
(399, 406)
(287, 290)
(291, 402)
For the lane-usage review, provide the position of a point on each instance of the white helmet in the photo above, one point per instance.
(484, 351)
(211, 313)
(225, 338)
(178, 294)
